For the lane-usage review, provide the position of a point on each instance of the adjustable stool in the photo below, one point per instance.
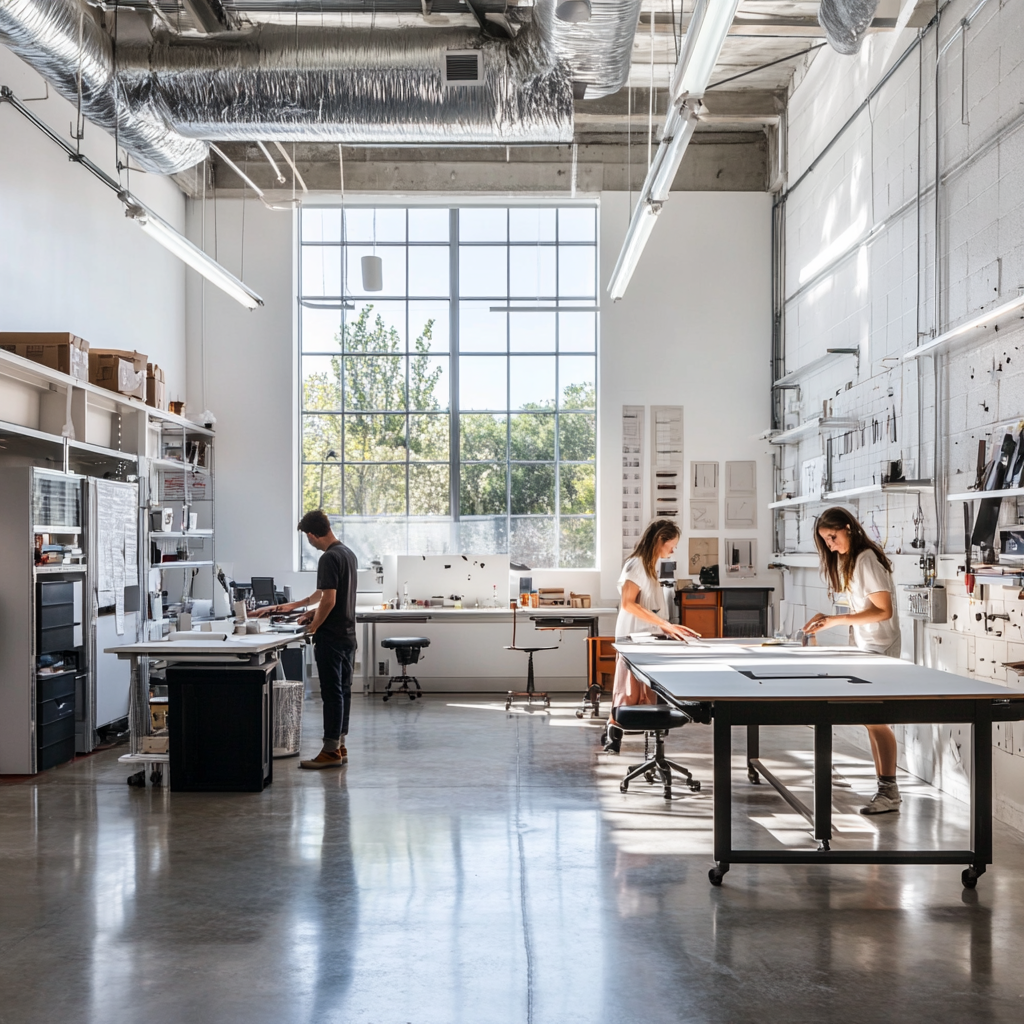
(659, 719)
(530, 693)
(407, 650)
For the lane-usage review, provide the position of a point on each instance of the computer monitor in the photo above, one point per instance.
(263, 591)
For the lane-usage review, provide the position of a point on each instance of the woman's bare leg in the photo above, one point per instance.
(883, 748)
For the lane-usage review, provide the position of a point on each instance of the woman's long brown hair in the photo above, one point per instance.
(838, 569)
(647, 548)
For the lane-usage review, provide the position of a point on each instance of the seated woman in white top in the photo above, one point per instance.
(852, 563)
(642, 611)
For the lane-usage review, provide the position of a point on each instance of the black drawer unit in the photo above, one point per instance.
(55, 739)
(56, 617)
(50, 711)
(52, 687)
(220, 725)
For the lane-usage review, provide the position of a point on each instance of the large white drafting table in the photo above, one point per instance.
(745, 683)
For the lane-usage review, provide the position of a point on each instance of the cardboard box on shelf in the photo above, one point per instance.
(155, 744)
(579, 600)
(551, 595)
(156, 396)
(64, 352)
(116, 370)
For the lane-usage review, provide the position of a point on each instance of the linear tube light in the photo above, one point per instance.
(709, 25)
(174, 242)
(691, 78)
(640, 228)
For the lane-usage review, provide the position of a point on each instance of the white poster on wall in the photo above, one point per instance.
(632, 476)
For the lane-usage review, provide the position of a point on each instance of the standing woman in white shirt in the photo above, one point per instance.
(642, 611)
(853, 563)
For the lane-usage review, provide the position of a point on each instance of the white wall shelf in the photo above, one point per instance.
(161, 534)
(896, 487)
(177, 466)
(179, 565)
(797, 560)
(1007, 313)
(820, 425)
(816, 364)
(1008, 492)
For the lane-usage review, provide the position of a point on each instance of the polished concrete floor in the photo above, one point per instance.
(473, 866)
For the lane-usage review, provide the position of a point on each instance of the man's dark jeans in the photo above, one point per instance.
(334, 660)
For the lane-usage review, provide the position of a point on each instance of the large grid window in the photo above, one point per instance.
(455, 410)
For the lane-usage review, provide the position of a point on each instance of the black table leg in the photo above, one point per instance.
(981, 793)
(823, 785)
(753, 751)
(722, 774)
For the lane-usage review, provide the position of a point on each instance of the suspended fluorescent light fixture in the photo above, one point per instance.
(174, 242)
(709, 25)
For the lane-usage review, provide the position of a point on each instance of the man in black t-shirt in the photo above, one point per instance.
(332, 624)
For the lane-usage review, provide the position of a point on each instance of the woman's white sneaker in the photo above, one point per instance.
(886, 799)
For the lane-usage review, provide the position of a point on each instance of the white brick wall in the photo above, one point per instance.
(865, 190)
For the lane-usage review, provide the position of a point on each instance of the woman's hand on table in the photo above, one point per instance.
(820, 622)
(677, 632)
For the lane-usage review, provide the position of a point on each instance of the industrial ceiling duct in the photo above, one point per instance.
(356, 86)
(61, 40)
(598, 51)
(845, 22)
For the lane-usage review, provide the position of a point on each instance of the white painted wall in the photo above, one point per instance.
(853, 250)
(694, 330)
(69, 259)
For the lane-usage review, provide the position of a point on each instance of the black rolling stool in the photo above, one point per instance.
(659, 719)
(407, 650)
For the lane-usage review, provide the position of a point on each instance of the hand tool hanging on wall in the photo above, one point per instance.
(968, 575)
(988, 515)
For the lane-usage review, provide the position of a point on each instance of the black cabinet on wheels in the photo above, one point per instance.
(220, 724)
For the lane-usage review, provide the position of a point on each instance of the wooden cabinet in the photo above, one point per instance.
(601, 662)
(726, 611)
(701, 611)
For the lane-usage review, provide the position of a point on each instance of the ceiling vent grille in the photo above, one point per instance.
(462, 67)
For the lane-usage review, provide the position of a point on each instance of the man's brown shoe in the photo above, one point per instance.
(326, 759)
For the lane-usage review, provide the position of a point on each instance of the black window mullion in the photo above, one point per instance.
(454, 408)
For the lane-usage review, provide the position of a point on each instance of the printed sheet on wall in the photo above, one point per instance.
(667, 462)
(117, 544)
(632, 476)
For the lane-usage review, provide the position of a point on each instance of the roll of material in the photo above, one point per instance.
(287, 717)
(179, 635)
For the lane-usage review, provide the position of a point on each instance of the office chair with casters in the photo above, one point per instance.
(659, 719)
(530, 694)
(407, 651)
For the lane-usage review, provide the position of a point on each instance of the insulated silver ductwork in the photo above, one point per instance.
(165, 100)
(845, 22)
(597, 51)
(355, 86)
(61, 40)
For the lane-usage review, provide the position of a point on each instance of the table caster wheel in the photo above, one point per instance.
(386, 695)
(412, 696)
(156, 778)
(969, 878)
(715, 876)
(694, 786)
(754, 777)
(579, 714)
(623, 786)
(138, 779)
(649, 776)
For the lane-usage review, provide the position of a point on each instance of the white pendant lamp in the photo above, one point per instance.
(373, 274)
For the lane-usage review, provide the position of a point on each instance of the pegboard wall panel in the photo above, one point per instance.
(879, 260)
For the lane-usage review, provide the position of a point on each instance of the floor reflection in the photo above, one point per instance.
(475, 866)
